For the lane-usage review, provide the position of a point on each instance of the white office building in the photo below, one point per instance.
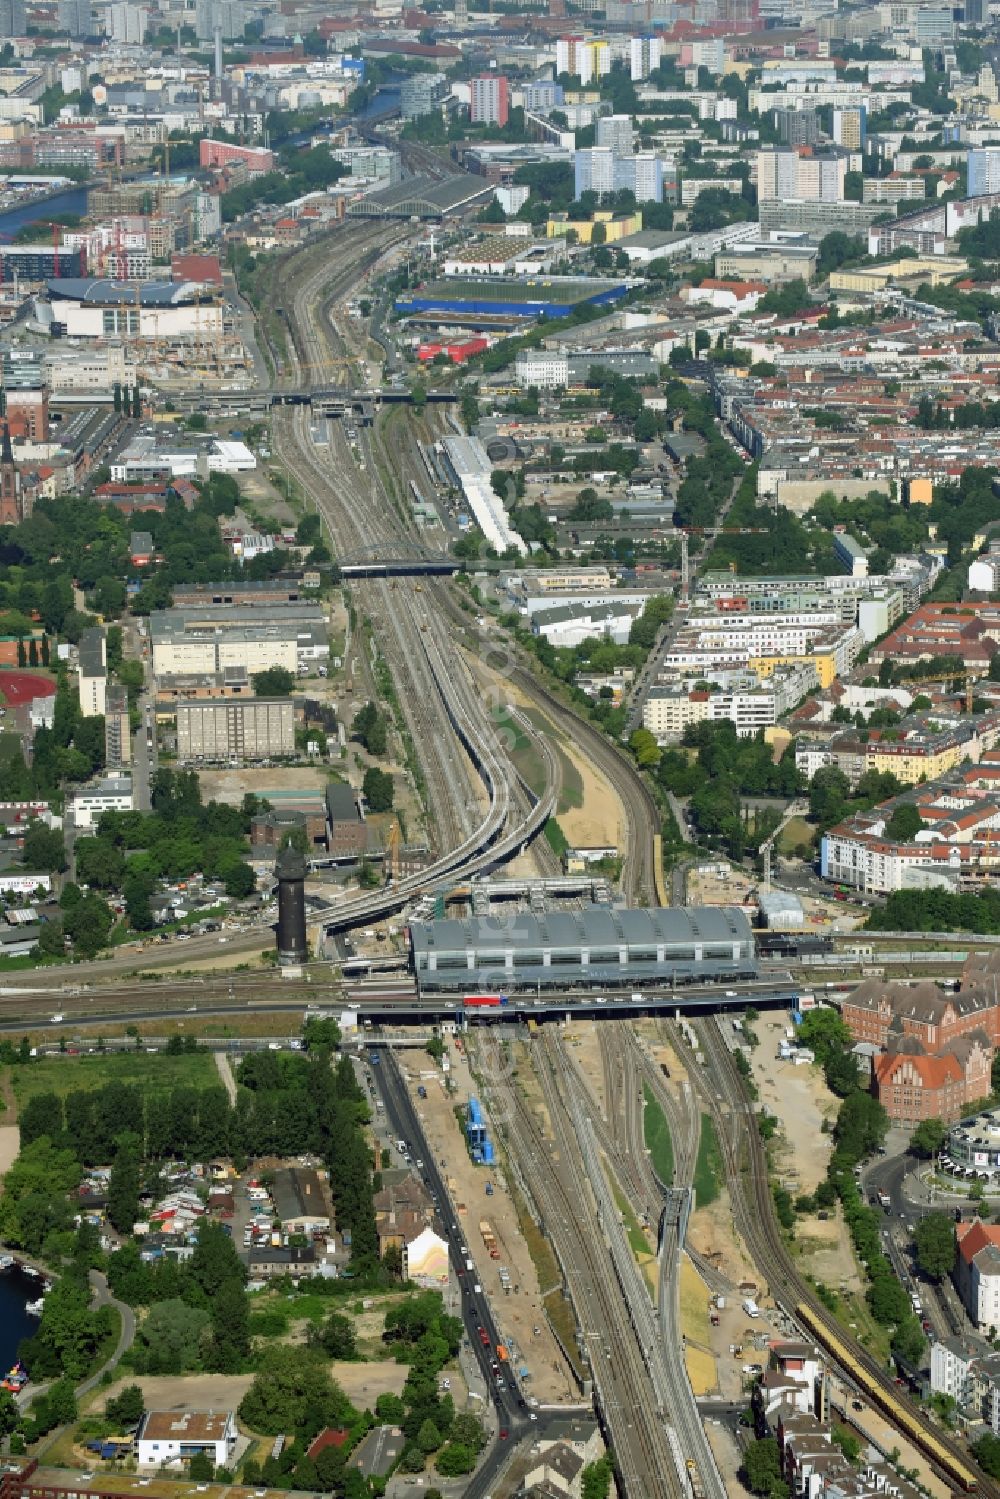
(167, 1437)
(984, 172)
(127, 23)
(90, 802)
(544, 369)
(594, 171)
(645, 55)
(616, 131)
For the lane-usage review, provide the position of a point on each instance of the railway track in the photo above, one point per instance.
(721, 1089)
(641, 812)
(555, 1175)
(357, 512)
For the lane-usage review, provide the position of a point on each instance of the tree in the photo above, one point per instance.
(596, 1479)
(934, 1241)
(455, 1460)
(123, 1186)
(378, 790)
(239, 878)
(908, 1341)
(201, 1468)
(887, 1298)
(274, 681)
(928, 1138)
(428, 1438)
(230, 1328)
(294, 1393)
(904, 824)
(645, 748)
(172, 1335)
(43, 849)
(88, 925)
(841, 1073)
(762, 1467)
(390, 1408)
(369, 726)
(336, 1338)
(62, 1402)
(824, 1033)
(127, 1407)
(828, 794)
(987, 1454)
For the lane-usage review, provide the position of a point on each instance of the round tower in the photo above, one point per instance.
(290, 869)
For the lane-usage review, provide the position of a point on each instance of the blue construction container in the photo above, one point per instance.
(475, 1112)
(488, 1153)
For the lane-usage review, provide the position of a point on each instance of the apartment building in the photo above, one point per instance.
(969, 636)
(117, 728)
(801, 174)
(490, 100)
(967, 1369)
(92, 672)
(235, 731)
(920, 748)
(764, 642)
(586, 57)
(645, 54)
(749, 704)
(977, 1272)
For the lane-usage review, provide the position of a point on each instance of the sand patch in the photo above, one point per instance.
(10, 1144)
(600, 820)
(701, 1371)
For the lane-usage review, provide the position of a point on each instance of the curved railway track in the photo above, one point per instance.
(745, 1160)
(319, 345)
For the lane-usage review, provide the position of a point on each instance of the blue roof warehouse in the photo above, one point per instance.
(497, 297)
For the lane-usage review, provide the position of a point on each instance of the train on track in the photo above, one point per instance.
(899, 1413)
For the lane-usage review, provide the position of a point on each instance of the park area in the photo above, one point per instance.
(151, 1072)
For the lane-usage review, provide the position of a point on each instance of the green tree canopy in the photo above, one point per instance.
(934, 1241)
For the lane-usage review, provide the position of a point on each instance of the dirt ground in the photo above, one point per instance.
(588, 1055)
(600, 820)
(217, 1392)
(713, 889)
(801, 1101)
(10, 1144)
(362, 1383)
(712, 1234)
(697, 1330)
(232, 785)
(520, 1315)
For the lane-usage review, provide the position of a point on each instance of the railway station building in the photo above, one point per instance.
(598, 947)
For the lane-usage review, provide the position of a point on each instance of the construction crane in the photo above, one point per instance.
(961, 673)
(709, 531)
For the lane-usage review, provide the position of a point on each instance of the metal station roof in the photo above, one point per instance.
(593, 927)
(421, 196)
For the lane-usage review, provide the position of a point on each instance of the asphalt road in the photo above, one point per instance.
(510, 1408)
(941, 1305)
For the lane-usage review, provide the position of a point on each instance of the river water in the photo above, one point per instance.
(16, 1290)
(73, 200)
